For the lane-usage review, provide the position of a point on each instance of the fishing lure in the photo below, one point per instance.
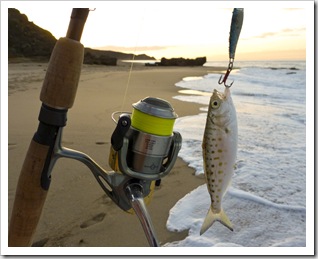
(236, 26)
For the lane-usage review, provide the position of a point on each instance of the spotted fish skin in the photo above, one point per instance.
(219, 148)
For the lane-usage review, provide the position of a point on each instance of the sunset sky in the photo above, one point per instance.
(271, 29)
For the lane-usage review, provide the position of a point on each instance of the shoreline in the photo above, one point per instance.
(77, 212)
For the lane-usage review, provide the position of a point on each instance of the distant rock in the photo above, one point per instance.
(143, 57)
(182, 62)
(92, 57)
(108, 57)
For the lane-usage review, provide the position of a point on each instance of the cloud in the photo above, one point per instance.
(283, 32)
(292, 9)
(281, 54)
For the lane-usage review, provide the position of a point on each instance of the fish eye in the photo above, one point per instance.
(215, 104)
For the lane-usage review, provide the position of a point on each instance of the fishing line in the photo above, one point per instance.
(132, 62)
(128, 80)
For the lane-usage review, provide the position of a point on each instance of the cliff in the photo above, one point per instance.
(28, 40)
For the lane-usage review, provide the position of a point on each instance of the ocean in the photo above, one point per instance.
(267, 198)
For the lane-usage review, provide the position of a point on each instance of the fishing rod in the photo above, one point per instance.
(57, 96)
(144, 146)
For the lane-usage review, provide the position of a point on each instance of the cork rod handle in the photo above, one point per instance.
(29, 197)
(63, 73)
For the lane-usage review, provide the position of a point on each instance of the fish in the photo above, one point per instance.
(219, 150)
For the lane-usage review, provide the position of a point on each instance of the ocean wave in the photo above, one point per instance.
(257, 222)
(251, 197)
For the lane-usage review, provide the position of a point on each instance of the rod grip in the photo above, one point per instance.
(63, 74)
(29, 197)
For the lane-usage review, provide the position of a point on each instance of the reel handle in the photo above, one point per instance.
(136, 197)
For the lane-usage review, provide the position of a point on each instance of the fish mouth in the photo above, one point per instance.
(218, 95)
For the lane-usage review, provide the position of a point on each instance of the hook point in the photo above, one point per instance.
(228, 86)
(220, 80)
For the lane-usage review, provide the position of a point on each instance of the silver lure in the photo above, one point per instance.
(236, 26)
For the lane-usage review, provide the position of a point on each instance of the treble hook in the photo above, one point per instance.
(228, 71)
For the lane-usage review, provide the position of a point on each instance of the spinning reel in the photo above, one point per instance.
(143, 149)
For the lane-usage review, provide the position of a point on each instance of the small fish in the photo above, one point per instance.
(219, 154)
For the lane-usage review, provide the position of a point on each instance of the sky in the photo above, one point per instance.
(272, 30)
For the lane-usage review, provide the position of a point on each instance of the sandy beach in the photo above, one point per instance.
(77, 212)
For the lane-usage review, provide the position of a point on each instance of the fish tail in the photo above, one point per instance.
(212, 217)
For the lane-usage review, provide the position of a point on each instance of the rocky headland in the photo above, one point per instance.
(29, 41)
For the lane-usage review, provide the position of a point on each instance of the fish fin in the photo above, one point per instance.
(212, 217)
